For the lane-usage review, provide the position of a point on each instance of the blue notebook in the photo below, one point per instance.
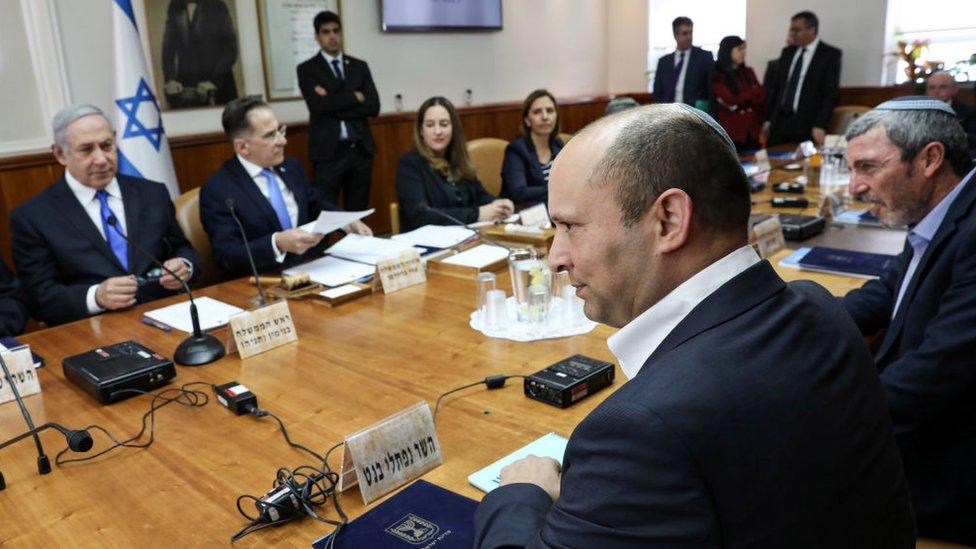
(846, 262)
(420, 515)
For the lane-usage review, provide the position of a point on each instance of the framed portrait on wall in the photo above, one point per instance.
(288, 39)
(195, 52)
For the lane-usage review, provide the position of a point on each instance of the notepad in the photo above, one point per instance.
(551, 445)
(368, 249)
(435, 236)
(478, 257)
(212, 313)
(332, 271)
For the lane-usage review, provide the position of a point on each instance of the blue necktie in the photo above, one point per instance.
(113, 234)
(338, 70)
(677, 75)
(277, 201)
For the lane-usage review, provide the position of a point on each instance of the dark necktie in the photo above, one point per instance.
(112, 236)
(337, 69)
(677, 75)
(787, 104)
(276, 199)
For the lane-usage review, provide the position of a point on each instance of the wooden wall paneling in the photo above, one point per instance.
(16, 187)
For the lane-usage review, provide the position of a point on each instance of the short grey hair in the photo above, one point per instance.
(69, 114)
(912, 130)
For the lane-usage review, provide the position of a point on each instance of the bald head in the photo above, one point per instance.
(942, 86)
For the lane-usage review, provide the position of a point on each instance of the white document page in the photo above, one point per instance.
(332, 271)
(551, 445)
(368, 249)
(480, 256)
(435, 236)
(212, 313)
(333, 221)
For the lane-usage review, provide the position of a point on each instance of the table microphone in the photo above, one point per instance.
(78, 441)
(449, 217)
(254, 270)
(43, 463)
(198, 348)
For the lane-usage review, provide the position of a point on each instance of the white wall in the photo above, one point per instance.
(857, 28)
(626, 46)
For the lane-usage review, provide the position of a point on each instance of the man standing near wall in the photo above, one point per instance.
(685, 75)
(340, 95)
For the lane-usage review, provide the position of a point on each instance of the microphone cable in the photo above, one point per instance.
(491, 382)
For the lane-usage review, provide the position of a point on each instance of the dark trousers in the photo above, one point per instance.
(788, 129)
(350, 171)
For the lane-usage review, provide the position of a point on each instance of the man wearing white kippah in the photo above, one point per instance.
(909, 157)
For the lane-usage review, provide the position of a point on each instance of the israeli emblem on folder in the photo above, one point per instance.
(413, 529)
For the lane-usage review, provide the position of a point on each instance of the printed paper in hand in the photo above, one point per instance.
(212, 313)
(332, 271)
(333, 221)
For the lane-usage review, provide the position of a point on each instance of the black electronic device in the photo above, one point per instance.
(787, 187)
(790, 202)
(569, 380)
(105, 371)
(801, 227)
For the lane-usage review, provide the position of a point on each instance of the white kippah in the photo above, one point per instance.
(916, 103)
(706, 118)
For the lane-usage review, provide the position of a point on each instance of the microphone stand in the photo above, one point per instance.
(43, 463)
(78, 441)
(198, 348)
(254, 270)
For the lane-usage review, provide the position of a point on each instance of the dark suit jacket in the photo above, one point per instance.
(818, 94)
(201, 50)
(967, 117)
(59, 252)
(419, 187)
(13, 310)
(339, 103)
(697, 77)
(927, 363)
(257, 216)
(742, 429)
(522, 177)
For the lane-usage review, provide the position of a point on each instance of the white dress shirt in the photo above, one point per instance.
(86, 197)
(343, 133)
(638, 340)
(679, 86)
(808, 52)
(291, 204)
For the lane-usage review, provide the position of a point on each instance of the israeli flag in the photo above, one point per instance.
(142, 146)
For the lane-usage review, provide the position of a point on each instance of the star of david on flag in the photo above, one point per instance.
(142, 146)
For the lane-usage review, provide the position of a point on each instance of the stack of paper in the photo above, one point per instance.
(435, 236)
(478, 257)
(332, 271)
(368, 249)
(212, 313)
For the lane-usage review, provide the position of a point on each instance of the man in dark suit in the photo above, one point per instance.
(270, 193)
(909, 157)
(804, 93)
(684, 76)
(942, 86)
(13, 311)
(738, 425)
(68, 243)
(340, 95)
(199, 52)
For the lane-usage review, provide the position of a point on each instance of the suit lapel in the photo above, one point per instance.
(751, 287)
(250, 189)
(75, 213)
(962, 205)
(131, 203)
(326, 71)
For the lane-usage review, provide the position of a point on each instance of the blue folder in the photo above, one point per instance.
(418, 516)
(848, 262)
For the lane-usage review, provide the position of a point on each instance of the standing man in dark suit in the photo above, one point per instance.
(804, 94)
(684, 76)
(68, 247)
(738, 425)
(270, 193)
(199, 52)
(340, 95)
(942, 86)
(13, 311)
(909, 157)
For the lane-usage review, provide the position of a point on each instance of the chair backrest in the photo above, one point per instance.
(394, 218)
(188, 217)
(487, 154)
(565, 137)
(842, 117)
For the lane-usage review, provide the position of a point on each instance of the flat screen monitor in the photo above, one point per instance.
(428, 15)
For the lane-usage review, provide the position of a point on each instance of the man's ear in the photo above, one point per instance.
(671, 214)
(932, 157)
(59, 154)
(240, 146)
